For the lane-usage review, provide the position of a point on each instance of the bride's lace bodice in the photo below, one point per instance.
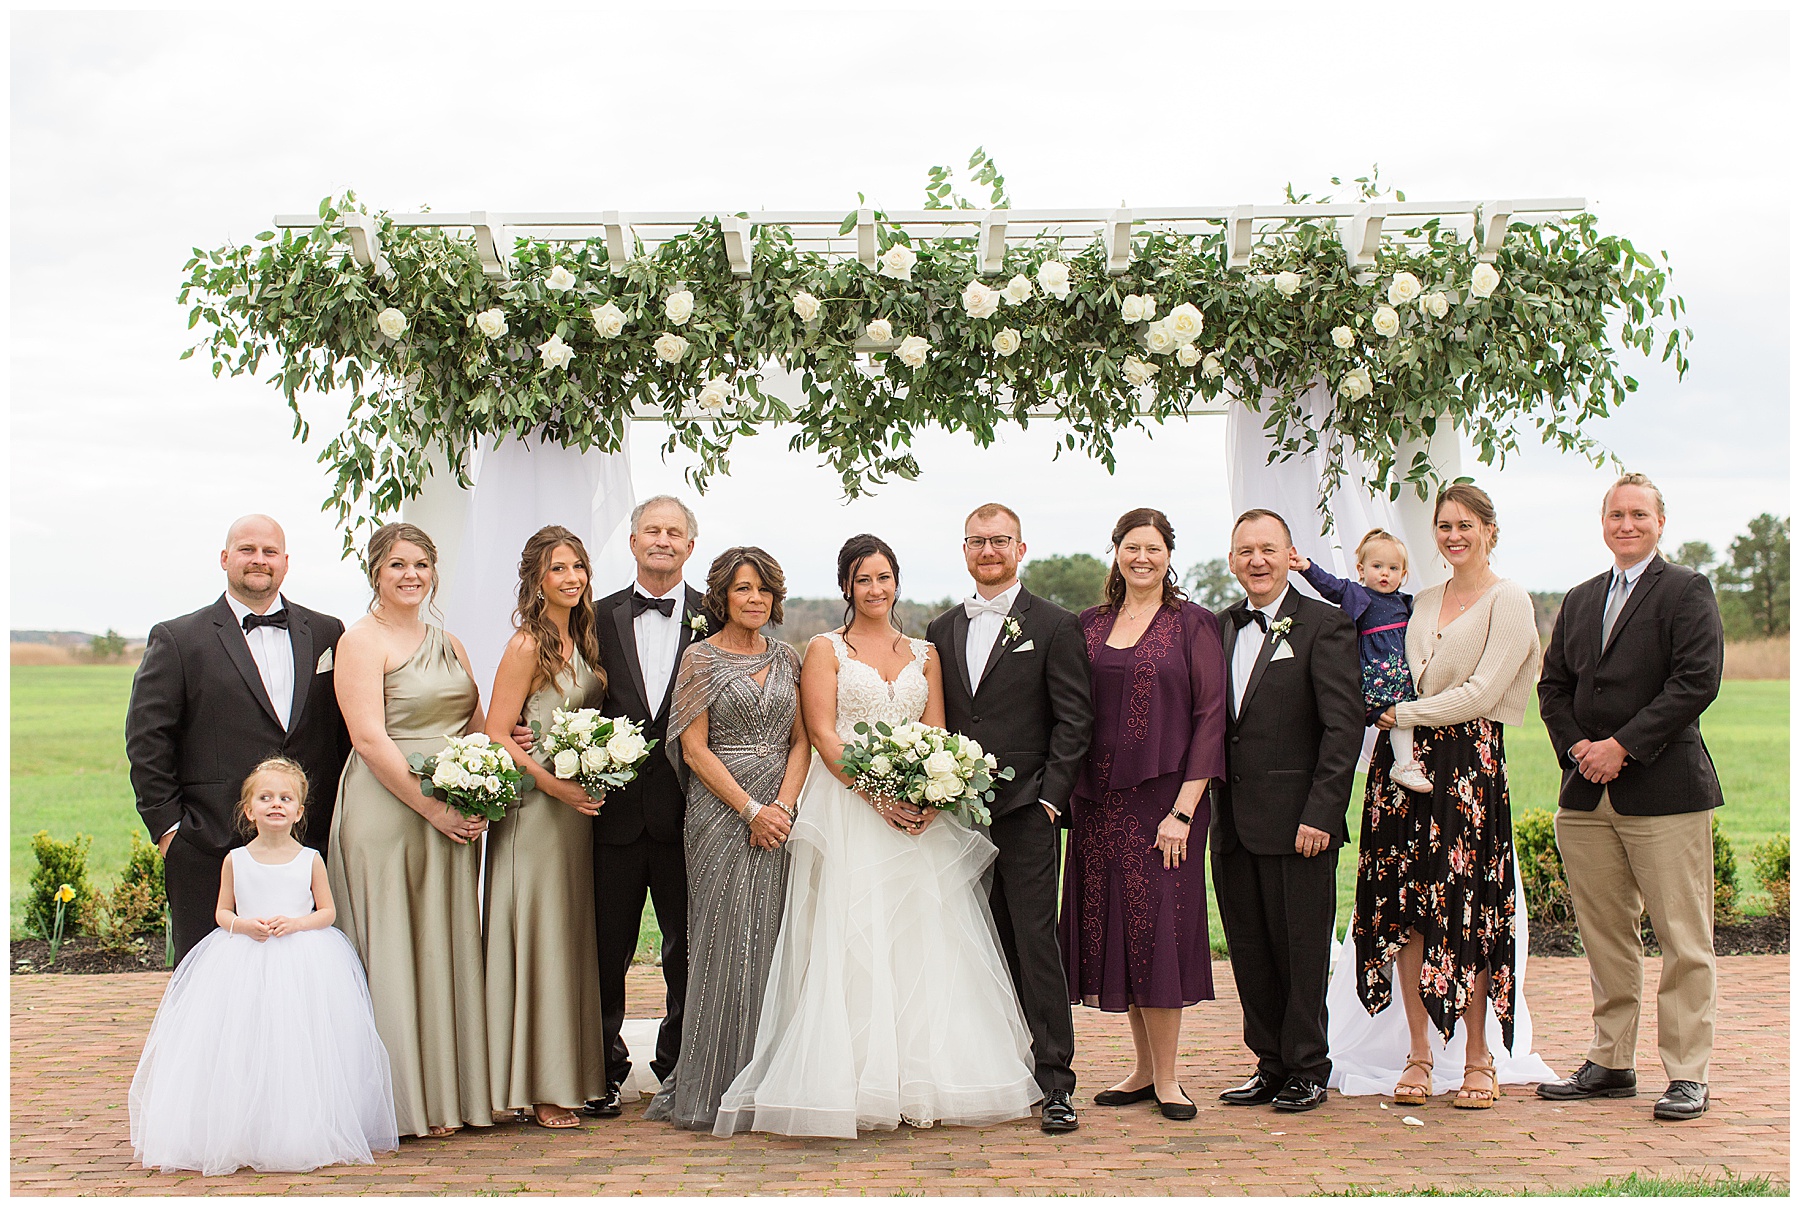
(863, 695)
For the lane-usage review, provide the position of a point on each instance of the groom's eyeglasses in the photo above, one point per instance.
(1000, 543)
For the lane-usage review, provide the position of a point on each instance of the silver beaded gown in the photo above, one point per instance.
(735, 891)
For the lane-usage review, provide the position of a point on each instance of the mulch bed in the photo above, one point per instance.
(1748, 936)
(81, 954)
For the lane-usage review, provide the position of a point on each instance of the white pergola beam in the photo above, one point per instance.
(990, 244)
(737, 244)
(494, 245)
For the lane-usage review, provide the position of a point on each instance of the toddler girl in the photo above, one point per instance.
(1380, 610)
(264, 1052)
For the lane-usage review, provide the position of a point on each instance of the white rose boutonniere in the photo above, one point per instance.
(979, 300)
(879, 331)
(1279, 629)
(1343, 337)
(1387, 322)
(1053, 278)
(679, 307)
(1188, 356)
(913, 350)
(556, 354)
(897, 262)
(559, 279)
(1011, 628)
(1017, 290)
(806, 306)
(1436, 304)
(491, 323)
(1287, 283)
(609, 320)
(1403, 289)
(391, 322)
(697, 623)
(1006, 341)
(670, 347)
(1484, 280)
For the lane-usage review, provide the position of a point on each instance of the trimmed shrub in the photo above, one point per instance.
(1724, 875)
(1547, 901)
(1770, 862)
(143, 866)
(118, 918)
(58, 863)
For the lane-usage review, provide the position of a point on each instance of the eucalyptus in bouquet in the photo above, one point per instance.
(476, 776)
(599, 753)
(924, 765)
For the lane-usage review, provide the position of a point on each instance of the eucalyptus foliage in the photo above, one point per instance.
(1540, 354)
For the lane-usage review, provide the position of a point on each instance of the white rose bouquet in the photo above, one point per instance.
(924, 765)
(475, 776)
(596, 752)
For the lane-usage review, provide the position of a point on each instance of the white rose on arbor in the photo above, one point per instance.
(1053, 278)
(1185, 322)
(556, 354)
(806, 306)
(491, 323)
(626, 747)
(1211, 367)
(679, 306)
(567, 763)
(1137, 372)
(593, 759)
(391, 322)
(880, 331)
(1436, 304)
(1017, 290)
(979, 300)
(1484, 280)
(716, 393)
(609, 320)
(559, 279)
(913, 350)
(1403, 289)
(1356, 384)
(897, 262)
(670, 347)
(1006, 341)
(1132, 308)
(1159, 339)
(1287, 284)
(1343, 337)
(1188, 355)
(1387, 321)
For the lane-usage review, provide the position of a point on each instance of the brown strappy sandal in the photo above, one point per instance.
(1411, 1093)
(1477, 1100)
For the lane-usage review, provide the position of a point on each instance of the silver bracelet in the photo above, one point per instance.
(749, 811)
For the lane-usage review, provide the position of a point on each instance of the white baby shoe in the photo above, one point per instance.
(1411, 776)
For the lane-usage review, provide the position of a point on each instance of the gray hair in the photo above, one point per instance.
(693, 525)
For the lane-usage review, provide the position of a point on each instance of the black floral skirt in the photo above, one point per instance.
(1442, 865)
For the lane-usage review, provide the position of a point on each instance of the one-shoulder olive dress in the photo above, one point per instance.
(409, 899)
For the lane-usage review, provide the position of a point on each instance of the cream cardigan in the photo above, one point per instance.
(1483, 664)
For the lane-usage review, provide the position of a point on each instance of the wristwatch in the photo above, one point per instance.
(1186, 819)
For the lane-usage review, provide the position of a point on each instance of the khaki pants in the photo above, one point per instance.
(1619, 868)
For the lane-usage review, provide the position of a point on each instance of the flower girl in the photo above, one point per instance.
(264, 1052)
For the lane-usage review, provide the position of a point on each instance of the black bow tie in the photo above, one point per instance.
(1248, 614)
(643, 603)
(275, 620)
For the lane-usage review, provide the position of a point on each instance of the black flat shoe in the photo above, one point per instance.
(1591, 1081)
(1125, 1097)
(1181, 1112)
(1300, 1094)
(1683, 1100)
(1259, 1089)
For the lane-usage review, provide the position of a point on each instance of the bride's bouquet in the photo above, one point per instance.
(597, 752)
(477, 777)
(924, 765)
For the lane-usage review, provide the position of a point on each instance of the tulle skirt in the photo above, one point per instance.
(264, 1054)
(889, 1000)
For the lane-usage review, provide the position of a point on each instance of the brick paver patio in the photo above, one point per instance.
(75, 1042)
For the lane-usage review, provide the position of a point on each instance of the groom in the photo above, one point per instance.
(1016, 680)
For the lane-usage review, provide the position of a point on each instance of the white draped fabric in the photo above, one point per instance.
(1367, 1054)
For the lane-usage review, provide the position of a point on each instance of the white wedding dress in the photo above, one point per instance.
(889, 1000)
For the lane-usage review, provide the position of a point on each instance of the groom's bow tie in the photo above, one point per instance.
(643, 603)
(978, 606)
(1249, 614)
(275, 620)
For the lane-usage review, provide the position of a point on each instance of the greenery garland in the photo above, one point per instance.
(436, 355)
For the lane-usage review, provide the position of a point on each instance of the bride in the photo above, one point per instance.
(889, 1000)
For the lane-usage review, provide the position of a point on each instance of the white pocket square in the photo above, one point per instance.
(324, 663)
(1284, 650)
(1020, 649)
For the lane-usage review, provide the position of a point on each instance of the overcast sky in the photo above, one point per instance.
(136, 137)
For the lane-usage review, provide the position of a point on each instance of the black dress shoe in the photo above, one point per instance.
(1125, 1097)
(1683, 1100)
(607, 1107)
(1181, 1112)
(1259, 1089)
(1591, 1081)
(1059, 1113)
(1300, 1094)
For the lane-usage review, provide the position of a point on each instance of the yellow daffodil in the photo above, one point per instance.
(65, 894)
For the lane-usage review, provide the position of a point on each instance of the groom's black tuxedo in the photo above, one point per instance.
(200, 719)
(1291, 751)
(638, 840)
(1032, 711)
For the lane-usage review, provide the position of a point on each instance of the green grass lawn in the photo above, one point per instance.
(69, 773)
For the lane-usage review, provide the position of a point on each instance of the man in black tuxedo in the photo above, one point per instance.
(644, 630)
(218, 691)
(1016, 680)
(1293, 732)
(1635, 657)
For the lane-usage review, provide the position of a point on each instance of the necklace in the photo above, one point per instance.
(1449, 594)
(1130, 616)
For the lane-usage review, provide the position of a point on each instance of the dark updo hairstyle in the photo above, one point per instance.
(1475, 501)
(381, 544)
(532, 615)
(1142, 517)
(724, 570)
(857, 550)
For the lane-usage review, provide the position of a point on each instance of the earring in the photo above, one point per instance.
(540, 595)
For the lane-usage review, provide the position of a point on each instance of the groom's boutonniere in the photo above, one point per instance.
(1011, 628)
(697, 623)
(1280, 628)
